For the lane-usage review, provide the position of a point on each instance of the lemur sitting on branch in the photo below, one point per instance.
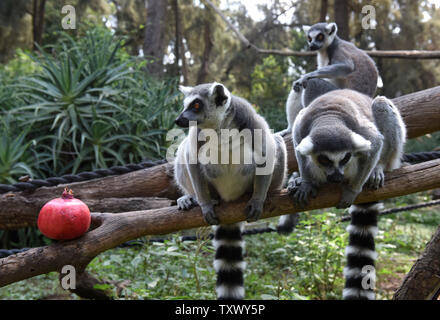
(347, 138)
(212, 108)
(340, 65)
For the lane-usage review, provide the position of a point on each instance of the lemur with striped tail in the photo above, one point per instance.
(260, 167)
(341, 65)
(347, 138)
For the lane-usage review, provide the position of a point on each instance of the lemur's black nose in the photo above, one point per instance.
(314, 47)
(182, 122)
(335, 178)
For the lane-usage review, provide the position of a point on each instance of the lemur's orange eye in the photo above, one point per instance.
(320, 37)
(197, 106)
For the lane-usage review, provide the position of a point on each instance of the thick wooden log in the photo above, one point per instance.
(420, 111)
(19, 211)
(423, 280)
(114, 229)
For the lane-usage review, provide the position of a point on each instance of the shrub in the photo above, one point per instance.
(90, 106)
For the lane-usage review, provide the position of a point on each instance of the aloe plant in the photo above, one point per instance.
(15, 155)
(90, 107)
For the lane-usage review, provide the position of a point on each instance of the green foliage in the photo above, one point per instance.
(15, 155)
(89, 106)
(426, 143)
(22, 238)
(307, 264)
(270, 88)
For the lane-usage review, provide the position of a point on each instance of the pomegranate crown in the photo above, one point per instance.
(67, 193)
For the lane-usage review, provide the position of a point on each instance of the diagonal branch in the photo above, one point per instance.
(402, 54)
(423, 280)
(111, 230)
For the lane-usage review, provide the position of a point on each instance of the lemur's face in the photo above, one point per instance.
(320, 35)
(337, 157)
(333, 164)
(204, 105)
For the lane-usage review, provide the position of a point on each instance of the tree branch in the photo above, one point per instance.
(401, 54)
(20, 211)
(420, 112)
(111, 230)
(423, 280)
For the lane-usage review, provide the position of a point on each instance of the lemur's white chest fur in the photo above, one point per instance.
(323, 59)
(232, 180)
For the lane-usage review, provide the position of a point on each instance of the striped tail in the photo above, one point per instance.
(287, 223)
(359, 273)
(228, 262)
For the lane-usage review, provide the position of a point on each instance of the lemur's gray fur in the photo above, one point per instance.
(212, 106)
(340, 65)
(348, 138)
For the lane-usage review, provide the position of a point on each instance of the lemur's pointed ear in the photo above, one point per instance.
(306, 29)
(185, 90)
(360, 143)
(306, 146)
(331, 28)
(220, 94)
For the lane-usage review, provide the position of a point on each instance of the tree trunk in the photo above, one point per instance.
(179, 49)
(341, 18)
(423, 280)
(324, 9)
(38, 22)
(154, 41)
(204, 68)
(177, 37)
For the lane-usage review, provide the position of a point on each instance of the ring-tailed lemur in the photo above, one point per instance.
(342, 65)
(347, 138)
(212, 106)
(340, 62)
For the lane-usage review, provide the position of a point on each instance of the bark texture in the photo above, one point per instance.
(20, 209)
(423, 280)
(154, 41)
(110, 230)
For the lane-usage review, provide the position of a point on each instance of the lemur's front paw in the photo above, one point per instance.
(209, 214)
(254, 209)
(186, 202)
(294, 182)
(297, 86)
(300, 191)
(377, 178)
(347, 198)
(300, 84)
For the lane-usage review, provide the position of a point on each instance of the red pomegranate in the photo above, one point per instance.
(64, 218)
